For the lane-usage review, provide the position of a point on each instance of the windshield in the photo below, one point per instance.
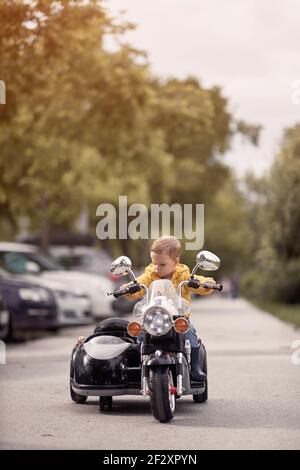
(16, 262)
(162, 288)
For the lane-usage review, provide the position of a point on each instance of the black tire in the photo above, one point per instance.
(161, 400)
(53, 329)
(6, 331)
(202, 397)
(105, 404)
(77, 398)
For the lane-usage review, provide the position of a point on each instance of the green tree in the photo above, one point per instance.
(274, 226)
(69, 103)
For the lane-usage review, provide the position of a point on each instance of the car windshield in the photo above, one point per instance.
(161, 288)
(85, 262)
(16, 262)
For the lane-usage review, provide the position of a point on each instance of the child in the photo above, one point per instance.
(165, 257)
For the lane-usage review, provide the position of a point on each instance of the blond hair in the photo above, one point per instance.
(167, 244)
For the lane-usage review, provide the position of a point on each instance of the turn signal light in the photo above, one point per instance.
(134, 328)
(181, 325)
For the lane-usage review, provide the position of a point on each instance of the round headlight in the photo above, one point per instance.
(157, 321)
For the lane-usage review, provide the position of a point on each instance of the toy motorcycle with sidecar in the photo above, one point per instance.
(148, 356)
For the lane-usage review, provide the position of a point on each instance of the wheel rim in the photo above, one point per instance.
(171, 395)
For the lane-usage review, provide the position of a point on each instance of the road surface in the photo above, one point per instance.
(254, 392)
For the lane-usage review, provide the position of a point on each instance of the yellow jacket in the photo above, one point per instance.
(181, 273)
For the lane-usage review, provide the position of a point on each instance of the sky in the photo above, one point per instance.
(251, 48)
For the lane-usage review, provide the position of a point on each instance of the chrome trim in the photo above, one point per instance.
(179, 293)
(179, 376)
(144, 383)
(187, 349)
(131, 273)
(146, 290)
(106, 392)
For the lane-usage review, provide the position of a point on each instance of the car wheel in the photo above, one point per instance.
(5, 325)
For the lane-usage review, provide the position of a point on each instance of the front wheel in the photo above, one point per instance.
(162, 397)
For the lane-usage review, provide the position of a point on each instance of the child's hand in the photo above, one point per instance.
(210, 280)
(80, 340)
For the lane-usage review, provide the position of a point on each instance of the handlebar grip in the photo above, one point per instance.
(128, 290)
(118, 294)
(218, 287)
(194, 283)
(134, 288)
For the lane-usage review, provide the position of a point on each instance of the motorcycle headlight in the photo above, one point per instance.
(33, 295)
(157, 321)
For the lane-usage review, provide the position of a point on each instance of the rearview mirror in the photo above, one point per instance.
(207, 261)
(121, 266)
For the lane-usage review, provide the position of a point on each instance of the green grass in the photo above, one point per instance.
(289, 313)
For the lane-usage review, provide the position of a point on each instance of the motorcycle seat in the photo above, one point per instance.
(112, 324)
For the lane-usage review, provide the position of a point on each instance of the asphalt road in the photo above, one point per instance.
(254, 392)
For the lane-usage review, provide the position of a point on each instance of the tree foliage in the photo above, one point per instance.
(274, 226)
(85, 123)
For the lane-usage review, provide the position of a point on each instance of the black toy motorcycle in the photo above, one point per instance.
(148, 356)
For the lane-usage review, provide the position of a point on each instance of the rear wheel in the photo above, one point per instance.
(76, 397)
(202, 397)
(162, 397)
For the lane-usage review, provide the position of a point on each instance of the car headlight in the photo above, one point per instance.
(61, 294)
(157, 321)
(34, 295)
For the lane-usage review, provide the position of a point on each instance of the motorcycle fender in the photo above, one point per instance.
(165, 359)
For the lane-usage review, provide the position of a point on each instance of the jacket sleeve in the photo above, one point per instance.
(142, 279)
(201, 290)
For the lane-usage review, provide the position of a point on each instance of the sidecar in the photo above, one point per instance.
(106, 364)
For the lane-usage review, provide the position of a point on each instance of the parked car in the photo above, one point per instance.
(82, 258)
(74, 307)
(25, 260)
(86, 259)
(25, 306)
(92, 260)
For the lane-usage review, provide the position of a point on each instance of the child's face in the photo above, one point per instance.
(163, 264)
